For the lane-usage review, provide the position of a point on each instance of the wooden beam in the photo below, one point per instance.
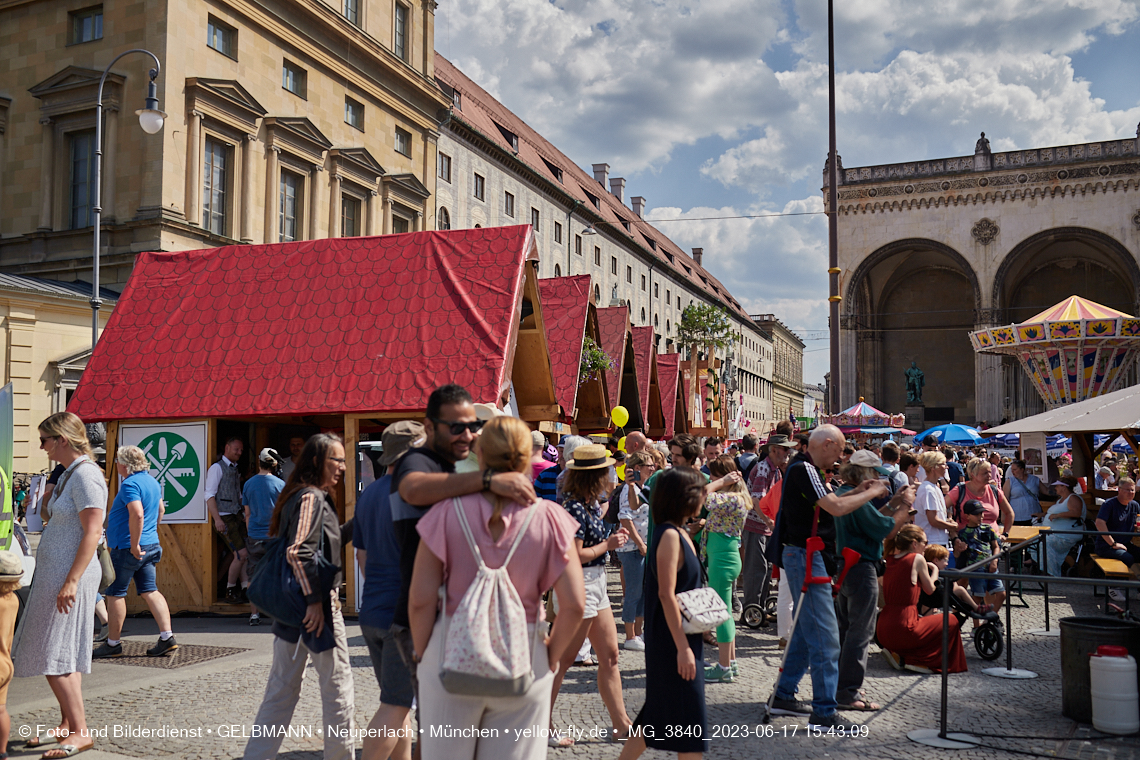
(549, 412)
(351, 436)
(1131, 441)
(171, 545)
(211, 575)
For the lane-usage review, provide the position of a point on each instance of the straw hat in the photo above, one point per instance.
(11, 567)
(591, 456)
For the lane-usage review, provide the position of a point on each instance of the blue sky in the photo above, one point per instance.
(718, 108)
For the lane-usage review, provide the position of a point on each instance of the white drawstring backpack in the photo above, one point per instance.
(486, 648)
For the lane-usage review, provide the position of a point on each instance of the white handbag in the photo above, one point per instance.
(702, 610)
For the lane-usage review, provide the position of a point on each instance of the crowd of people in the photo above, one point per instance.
(484, 550)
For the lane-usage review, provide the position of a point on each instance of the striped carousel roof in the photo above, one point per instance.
(1075, 307)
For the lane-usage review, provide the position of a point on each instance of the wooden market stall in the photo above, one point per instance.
(621, 380)
(339, 335)
(571, 317)
(648, 383)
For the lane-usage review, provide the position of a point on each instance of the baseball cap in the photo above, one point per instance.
(781, 440)
(398, 438)
(864, 458)
(973, 507)
(267, 453)
(488, 412)
(537, 439)
(562, 441)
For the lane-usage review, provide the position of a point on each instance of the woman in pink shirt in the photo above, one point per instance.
(546, 557)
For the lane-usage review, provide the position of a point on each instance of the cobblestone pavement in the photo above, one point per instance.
(226, 699)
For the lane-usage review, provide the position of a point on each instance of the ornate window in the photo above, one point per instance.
(443, 220)
(215, 175)
(82, 177)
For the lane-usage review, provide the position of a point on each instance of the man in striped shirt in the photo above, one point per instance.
(546, 484)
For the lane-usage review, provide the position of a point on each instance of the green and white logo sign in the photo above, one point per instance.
(174, 464)
(176, 454)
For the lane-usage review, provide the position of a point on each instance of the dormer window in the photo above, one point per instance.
(511, 138)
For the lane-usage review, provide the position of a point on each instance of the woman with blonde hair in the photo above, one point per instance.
(60, 615)
(930, 502)
(720, 551)
(542, 557)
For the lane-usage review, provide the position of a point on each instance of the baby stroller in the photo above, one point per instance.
(753, 616)
(989, 637)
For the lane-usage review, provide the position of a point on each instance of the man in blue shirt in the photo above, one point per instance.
(378, 553)
(1116, 522)
(954, 471)
(546, 484)
(258, 498)
(132, 538)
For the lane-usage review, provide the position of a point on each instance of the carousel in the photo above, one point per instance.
(863, 422)
(1073, 351)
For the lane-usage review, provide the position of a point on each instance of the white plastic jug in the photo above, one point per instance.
(1115, 703)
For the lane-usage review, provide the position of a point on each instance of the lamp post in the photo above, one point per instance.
(151, 120)
(833, 269)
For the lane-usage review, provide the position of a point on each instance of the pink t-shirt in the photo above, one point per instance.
(538, 562)
(536, 468)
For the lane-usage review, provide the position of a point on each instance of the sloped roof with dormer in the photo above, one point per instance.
(493, 121)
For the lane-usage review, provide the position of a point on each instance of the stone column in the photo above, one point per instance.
(334, 205)
(271, 195)
(418, 224)
(373, 212)
(387, 216)
(315, 203)
(110, 163)
(194, 169)
(47, 163)
(246, 235)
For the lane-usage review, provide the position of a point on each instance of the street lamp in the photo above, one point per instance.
(590, 231)
(151, 120)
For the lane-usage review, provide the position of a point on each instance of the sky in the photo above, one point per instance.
(718, 108)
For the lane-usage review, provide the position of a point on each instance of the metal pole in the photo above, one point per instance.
(96, 208)
(946, 587)
(832, 217)
(1044, 549)
(1008, 621)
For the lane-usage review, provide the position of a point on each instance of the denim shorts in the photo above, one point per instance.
(391, 674)
(141, 570)
(983, 586)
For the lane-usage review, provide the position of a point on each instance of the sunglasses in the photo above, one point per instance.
(457, 428)
(49, 438)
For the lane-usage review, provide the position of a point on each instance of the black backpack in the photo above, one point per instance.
(611, 515)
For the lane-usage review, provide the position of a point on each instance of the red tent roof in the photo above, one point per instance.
(668, 374)
(643, 356)
(368, 324)
(613, 323)
(565, 306)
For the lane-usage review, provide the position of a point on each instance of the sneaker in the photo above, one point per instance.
(105, 651)
(735, 670)
(893, 659)
(634, 645)
(162, 647)
(919, 669)
(833, 721)
(255, 619)
(790, 707)
(1116, 595)
(103, 633)
(233, 595)
(717, 674)
(737, 607)
(782, 643)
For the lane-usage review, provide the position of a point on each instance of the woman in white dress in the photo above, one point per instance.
(1067, 514)
(54, 637)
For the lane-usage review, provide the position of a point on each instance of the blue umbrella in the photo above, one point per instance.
(955, 435)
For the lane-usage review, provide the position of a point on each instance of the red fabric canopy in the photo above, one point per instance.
(668, 375)
(366, 324)
(565, 306)
(613, 323)
(644, 353)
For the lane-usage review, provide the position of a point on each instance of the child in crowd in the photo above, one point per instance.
(976, 542)
(11, 571)
(939, 556)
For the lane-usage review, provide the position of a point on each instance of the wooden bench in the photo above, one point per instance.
(1112, 568)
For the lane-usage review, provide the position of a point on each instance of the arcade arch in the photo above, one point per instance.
(915, 300)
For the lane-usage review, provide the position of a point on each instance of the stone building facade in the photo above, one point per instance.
(931, 250)
(787, 368)
(287, 120)
(493, 170)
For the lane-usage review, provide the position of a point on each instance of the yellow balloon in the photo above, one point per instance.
(621, 443)
(619, 415)
(620, 470)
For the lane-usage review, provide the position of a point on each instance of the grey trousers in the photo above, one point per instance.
(856, 608)
(334, 674)
(755, 571)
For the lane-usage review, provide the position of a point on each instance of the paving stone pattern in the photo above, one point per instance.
(991, 708)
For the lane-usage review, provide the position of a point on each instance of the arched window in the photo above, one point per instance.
(667, 327)
(557, 271)
(655, 320)
(443, 221)
(597, 296)
(643, 315)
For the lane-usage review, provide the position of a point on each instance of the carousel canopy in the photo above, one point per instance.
(863, 415)
(1072, 351)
